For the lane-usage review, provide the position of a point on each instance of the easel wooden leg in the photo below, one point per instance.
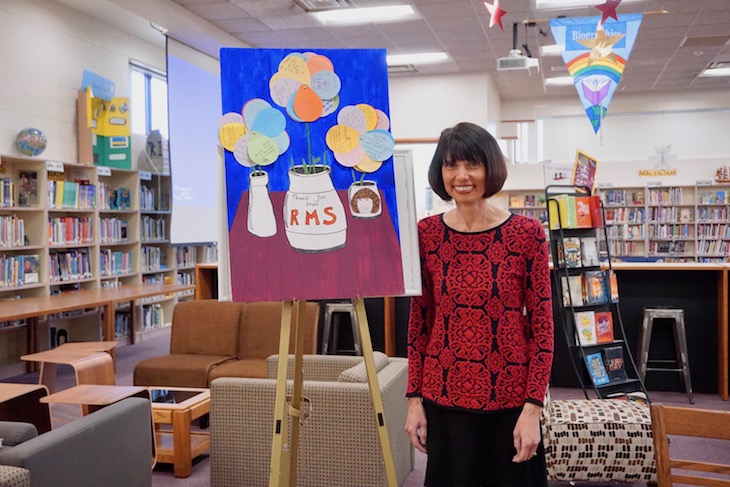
(296, 402)
(367, 353)
(278, 475)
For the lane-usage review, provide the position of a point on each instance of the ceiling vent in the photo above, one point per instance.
(320, 5)
(707, 41)
(402, 69)
(719, 64)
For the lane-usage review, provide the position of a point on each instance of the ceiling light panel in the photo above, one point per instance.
(416, 58)
(390, 13)
(559, 4)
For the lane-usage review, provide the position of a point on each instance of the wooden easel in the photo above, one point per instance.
(284, 470)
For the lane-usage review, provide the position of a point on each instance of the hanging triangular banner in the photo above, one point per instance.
(596, 55)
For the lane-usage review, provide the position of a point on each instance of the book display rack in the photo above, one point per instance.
(70, 227)
(586, 293)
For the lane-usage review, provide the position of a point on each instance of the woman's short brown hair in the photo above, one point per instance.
(468, 142)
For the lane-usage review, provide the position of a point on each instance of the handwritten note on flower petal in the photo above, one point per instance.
(377, 144)
(307, 105)
(317, 63)
(342, 138)
(326, 84)
(269, 121)
(290, 111)
(229, 134)
(252, 108)
(282, 141)
(295, 68)
(351, 116)
(240, 152)
(350, 159)
(383, 122)
(367, 165)
(230, 117)
(282, 88)
(262, 149)
(371, 116)
(330, 106)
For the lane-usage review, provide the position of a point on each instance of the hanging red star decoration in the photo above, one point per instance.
(496, 12)
(608, 9)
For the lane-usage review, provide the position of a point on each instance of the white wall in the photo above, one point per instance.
(44, 49)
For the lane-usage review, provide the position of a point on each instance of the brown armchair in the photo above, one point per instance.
(259, 338)
(204, 334)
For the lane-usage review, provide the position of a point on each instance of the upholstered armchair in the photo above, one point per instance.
(338, 442)
(204, 334)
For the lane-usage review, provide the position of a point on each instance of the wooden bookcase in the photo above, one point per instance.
(669, 223)
(68, 227)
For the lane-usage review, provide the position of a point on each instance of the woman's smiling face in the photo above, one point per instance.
(464, 181)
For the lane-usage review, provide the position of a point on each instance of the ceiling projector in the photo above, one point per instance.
(516, 60)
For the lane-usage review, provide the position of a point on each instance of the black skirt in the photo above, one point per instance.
(470, 449)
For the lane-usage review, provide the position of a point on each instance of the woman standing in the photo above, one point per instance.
(480, 338)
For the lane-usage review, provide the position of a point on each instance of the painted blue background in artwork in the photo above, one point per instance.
(245, 74)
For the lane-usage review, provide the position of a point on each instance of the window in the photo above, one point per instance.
(149, 100)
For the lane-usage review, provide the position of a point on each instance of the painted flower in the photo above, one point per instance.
(361, 139)
(257, 136)
(306, 85)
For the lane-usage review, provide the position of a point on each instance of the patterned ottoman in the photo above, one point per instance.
(598, 440)
(14, 476)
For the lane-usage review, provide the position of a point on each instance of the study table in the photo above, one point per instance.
(33, 307)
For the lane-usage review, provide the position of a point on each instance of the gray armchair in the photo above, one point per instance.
(111, 447)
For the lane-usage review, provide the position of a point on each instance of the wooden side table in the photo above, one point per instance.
(83, 361)
(180, 407)
(22, 402)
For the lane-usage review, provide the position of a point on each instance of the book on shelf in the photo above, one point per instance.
(583, 212)
(571, 251)
(589, 251)
(594, 288)
(604, 327)
(28, 188)
(572, 290)
(585, 323)
(613, 358)
(685, 215)
(516, 201)
(584, 170)
(529, 200)
(597, 369)
(561, 211)
(612, 285)
(31, 269)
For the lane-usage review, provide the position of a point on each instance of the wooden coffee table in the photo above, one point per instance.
(95, 396)
(179, 406)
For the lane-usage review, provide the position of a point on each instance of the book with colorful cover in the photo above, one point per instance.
(583, 212)
(584, 170)
(28, 188)
(612, 285)
(596, 210)
(572, 290)
(598, 372)
(561, 211)
(571, 250)
(589, 251)
(585, 323)
(31, 269)
(604, 327)
(594, 288)
(613, 359)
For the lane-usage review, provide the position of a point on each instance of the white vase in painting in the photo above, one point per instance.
(364, 198)
(314, 217)
(261, 220)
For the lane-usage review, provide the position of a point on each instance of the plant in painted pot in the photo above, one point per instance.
(256, 137)
(314, 216)
(362, 142)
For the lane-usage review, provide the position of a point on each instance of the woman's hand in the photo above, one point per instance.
(527, 433)
(416, 424)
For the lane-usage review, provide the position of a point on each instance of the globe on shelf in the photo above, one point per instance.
(31, 142)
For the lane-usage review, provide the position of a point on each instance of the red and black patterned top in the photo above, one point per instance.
(480, 338)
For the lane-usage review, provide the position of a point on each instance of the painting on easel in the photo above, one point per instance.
(310, 182)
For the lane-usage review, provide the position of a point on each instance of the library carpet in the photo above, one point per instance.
(163, 476)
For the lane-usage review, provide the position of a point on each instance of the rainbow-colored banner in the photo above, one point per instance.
(596, 56)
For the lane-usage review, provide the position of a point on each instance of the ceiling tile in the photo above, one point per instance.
(446, 9)
(286, 22)
(259, 8)
(236, 26)
(218, 11)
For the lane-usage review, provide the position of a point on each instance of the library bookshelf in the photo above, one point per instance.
(67, 228)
